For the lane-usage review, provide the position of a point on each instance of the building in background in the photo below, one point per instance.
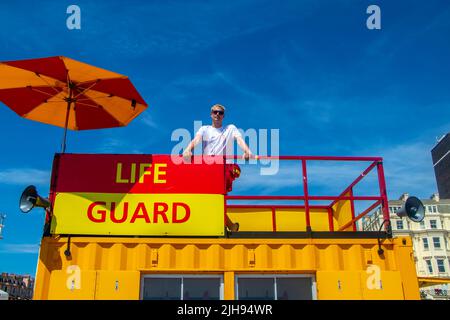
(18, 287)
(441, 163)
(4, 295)
(431, 239)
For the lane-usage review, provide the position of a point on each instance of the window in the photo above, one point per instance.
(422, 224)
(433, 224)
(440, 265)
(432, 209)
(256, 289)
(436, 242)
(430, 266)
(425, 243)
(393, 210)
(399, 224)
(178, 287)
(265, 287)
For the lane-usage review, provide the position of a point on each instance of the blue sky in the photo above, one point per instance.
(308, 68)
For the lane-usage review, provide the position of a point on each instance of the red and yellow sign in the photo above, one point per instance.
(101, 194)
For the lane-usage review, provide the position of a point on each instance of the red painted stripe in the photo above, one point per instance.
(274, 220)
(352, 206)
(96, 173)
(318, 158)
(330, 218)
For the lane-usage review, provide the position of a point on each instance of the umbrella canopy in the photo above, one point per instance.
(68, 93)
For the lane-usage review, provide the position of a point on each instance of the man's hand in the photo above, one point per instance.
(247, 155)
(187, 154)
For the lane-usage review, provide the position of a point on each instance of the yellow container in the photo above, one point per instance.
(115, 268)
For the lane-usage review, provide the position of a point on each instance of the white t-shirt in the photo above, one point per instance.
(215, 140)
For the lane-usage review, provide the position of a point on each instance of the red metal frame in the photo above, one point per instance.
(306, 197)
(352, 207)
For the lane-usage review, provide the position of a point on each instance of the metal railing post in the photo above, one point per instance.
(305, 191)
(383, 195)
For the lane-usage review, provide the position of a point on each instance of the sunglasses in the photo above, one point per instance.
(218, 112)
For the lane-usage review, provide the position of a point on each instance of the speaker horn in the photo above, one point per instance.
(413, 209)
(30, 199)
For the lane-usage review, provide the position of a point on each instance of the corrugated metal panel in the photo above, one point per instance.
(109, 261)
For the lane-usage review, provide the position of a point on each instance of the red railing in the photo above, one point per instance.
(346, 194)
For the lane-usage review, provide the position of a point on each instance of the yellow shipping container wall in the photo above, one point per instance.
(114, 267)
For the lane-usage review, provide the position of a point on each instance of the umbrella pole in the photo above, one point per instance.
(69, 101)
(65, 128)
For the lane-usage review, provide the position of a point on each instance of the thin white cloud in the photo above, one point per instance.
(167, 36)
(251, 179)
(21, 176)
(148, 121)
(20, 248)
(408, 168)
(111, 145)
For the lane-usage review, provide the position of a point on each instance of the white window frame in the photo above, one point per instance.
(443, 265)
(429, 264)
(425, 240)
(182, 276)
(275, 276)
(397, 224)
(436, 224)
(422, 224)
(432, 209)
(434, 244)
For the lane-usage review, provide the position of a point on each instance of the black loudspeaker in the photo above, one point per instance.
(413, 209)
(30, 199)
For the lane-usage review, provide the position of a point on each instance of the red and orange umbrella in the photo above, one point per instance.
(68, 93)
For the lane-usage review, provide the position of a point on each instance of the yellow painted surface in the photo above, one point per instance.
(342, 213)
(404, 258)
(91, 214)
(295, 220)
(117, 285)
(68, 284)
(260, 219)
(229, 285)
(357, 285)
(103, 261)
(388, 286)
(339, 285)
(432, 281)
(252, 219)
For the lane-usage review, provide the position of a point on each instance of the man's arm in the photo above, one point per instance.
(244, 147)
(188, 151)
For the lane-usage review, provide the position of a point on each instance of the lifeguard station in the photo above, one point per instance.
(122, 226)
